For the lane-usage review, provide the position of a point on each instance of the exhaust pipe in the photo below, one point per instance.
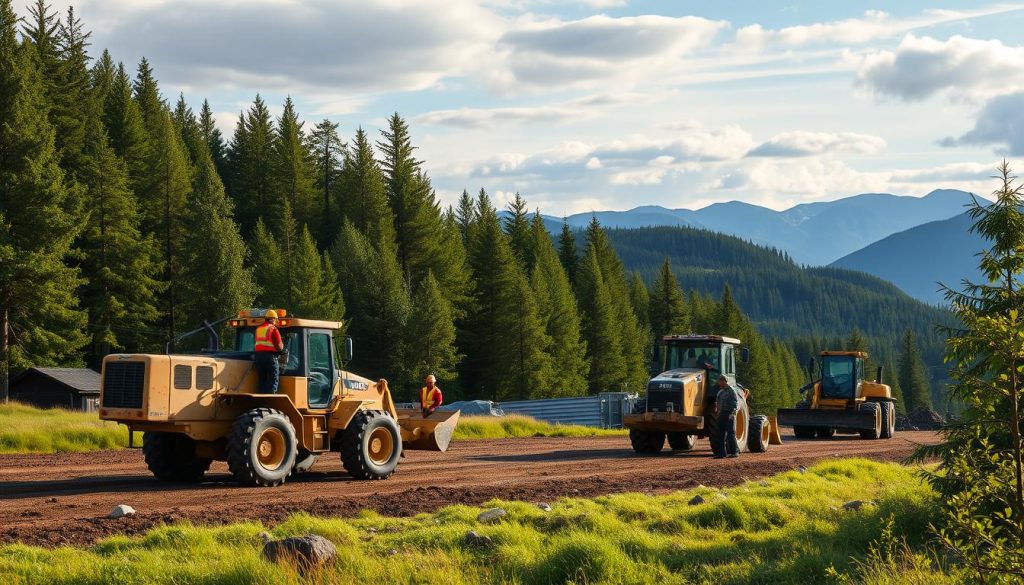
(878, 377)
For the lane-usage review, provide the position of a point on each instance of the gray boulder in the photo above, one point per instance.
(546, 507)
(121, 510)
(476, 540)
(306, 552)
(492, 515)
(697, 500)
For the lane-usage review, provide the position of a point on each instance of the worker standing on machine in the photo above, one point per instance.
(268, 347)
(430, 396)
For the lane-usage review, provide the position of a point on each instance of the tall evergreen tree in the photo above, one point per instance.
(608, 368)
(71, 102)
(327, 151)
(147, 95)
(361, 194)
(40, 322)
(292, 178)
(560, 314)
(668, 307)
(216, 281)
(188, 127)
(567, 251)
(517, 226)
(126, 131)
(121, 263)
(315, 289)
(913, 379)
(214, 139)
(465, 214)
(431, 335)
(640, 299)
(249, 161)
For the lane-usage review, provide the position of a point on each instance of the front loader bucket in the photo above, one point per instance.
(845, 418)
(432, 433)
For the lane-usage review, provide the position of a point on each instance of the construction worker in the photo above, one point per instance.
(268, 347)
(727, 403)
(430, 396)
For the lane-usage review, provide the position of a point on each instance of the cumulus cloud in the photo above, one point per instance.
(559, 53)
(953, 173)
(567, 111)
(922, 66)
(999, 123)
(801, 143)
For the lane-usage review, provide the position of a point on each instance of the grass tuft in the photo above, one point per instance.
(517, 425)
(26, 429)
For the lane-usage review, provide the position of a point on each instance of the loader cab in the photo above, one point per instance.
(309, 347)
(694, 352)
(842, 374)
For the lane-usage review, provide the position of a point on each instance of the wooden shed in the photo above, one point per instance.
(71, 388)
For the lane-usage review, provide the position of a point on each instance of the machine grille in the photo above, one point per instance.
(182, 377)
(204, 377)
(658, 400)
(123, 384)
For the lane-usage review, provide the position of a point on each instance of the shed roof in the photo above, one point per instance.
(81, 380)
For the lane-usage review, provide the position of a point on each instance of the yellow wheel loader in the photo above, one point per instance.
(196, 408)
(840, 400)
(680, 401)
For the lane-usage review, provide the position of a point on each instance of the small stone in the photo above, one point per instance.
(51, 501)
(392, 552)
(491, 515)
(697, 500)
(801, 469)
(544, 506)
(854, 505)
(121, 510)
(306, 552)
(474, 539)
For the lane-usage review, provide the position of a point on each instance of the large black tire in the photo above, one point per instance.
(888, 420)
(758, 434)
(713, 431)
(805, 432)
(681, 441)
(303, 462)
(876, 409)
(262, 448)
(371, 445)
(825, 432)
(646, 442)
(172, 456)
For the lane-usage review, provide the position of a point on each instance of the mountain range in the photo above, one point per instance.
(813, 234)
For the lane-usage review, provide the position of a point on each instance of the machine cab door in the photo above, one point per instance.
(322, 371)
(859, 378)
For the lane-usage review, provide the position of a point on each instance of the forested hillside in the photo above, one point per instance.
(125, 221)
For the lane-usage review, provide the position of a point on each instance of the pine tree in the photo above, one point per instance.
(729, 319)
(560, 314)
(893, 380)
(101, 78)
(668, 306)
(71, 102)
(147, 96)
(517, 226)
(315, 290)
(268, 268)
(465, 214)
(567, 251)
(292, 179)
(126, 131)
(327, 151)
(216, 281)
(608, 369)
(214, 139)
(121, 263)
(640, 300)
(378, 305)
(249, 161)
(912, 377)
(188, 128)
(431, 335)
(361, 194)
(40, 322)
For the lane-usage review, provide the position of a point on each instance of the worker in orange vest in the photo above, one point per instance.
(268, 347)
(430, 396)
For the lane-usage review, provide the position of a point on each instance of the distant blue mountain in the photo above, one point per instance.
(916, 260)
(812, 233)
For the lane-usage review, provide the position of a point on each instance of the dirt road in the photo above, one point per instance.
(64, 499)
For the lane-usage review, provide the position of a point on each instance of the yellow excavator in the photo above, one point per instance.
(197, 408)
(840, 400)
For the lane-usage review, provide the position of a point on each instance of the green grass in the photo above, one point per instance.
(517, 425)
(26, 429)
(788, 529)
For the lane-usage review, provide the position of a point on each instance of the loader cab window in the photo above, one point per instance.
(245, 341)
(321, 369)
(729, 363)
(839, 376)
(690, 356)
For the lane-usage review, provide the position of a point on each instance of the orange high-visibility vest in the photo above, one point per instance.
(430, 398)
(265, 337)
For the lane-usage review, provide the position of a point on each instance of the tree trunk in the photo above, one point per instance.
(5, 354)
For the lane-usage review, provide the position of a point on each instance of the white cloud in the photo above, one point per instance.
(802, 143)
(962, 67)
(1000, 123)
(575, 109)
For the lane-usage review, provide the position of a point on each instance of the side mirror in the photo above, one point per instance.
(744, 354)
(348, 348)
(810, 368)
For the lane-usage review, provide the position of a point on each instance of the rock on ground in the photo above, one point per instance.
(544, 506)
(696, 500)
(474, 539)
(307, 552)
(491, 515)
(121, 510)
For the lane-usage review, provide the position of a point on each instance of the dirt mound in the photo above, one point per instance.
(921, 419)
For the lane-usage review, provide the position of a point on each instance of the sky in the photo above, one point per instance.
(611, 104)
